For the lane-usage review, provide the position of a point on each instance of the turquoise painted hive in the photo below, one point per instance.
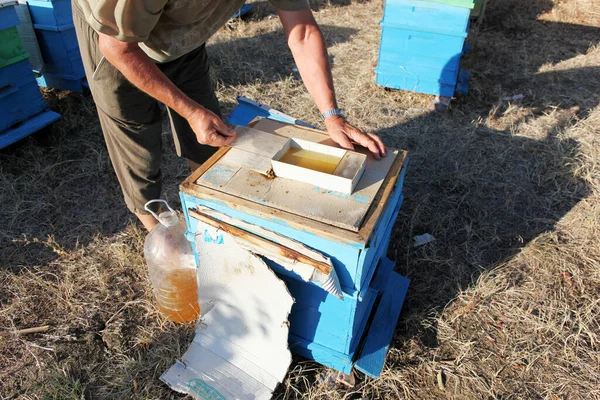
(343, 334)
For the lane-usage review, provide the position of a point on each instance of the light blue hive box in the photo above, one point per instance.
(421, 46)
(357, 331)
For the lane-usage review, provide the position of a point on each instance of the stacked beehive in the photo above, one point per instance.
(421, 46)
(22, 108)
(53, 23)
(343, 334)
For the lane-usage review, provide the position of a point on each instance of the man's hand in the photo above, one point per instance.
(209, 128)
(310, 53)
(141, 71)
(344, 134)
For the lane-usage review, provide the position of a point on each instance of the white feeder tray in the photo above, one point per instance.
(344, 177)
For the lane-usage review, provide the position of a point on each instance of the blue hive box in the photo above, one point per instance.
(333, 332)
(20, 96)
(50, 14)
(426, 16)
(421, 46)
(55, 32)
(22, 108)
(8, 16)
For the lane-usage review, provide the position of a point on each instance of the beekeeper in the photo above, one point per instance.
(138, 53)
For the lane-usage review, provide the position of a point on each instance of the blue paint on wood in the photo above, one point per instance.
(344, 257)
(370, 256)
(60, 52)
(20, 97)
(427, 16)
(8, 17)
(421, 46)
(385, 226)
(322, 327)
(322, 318)
(15, 74)
(354, 267)
(321, 354)
(462, 86)
(380, 332)
(247, 110)
(60, 82)
(376, 255)
(245, 9)
(31, 125)
(50, 13)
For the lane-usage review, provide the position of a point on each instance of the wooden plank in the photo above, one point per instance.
(382, 198)
(343, 210)
(257, 163)
(339, 235)
(258, 142)
(284, 129)
(380, 332)
(321, 354)
(371, 218)
(335, 234)
(262, 242)
(205, 167)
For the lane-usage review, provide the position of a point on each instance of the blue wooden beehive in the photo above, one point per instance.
(421, 46)
(355, 332)
(55, 32)
(22, 108)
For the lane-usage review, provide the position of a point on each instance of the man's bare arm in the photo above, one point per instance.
(141, 71)
(310, 53)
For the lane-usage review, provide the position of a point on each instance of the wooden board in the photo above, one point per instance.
(337, 235)
(381, 329)
(234, 176)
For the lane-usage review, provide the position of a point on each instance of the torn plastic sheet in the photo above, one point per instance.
(240, 350)
(329, 282)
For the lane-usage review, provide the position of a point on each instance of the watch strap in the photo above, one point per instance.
(334, 112)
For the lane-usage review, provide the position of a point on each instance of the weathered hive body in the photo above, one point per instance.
(22, 108)
(55, 32)
(336, 333)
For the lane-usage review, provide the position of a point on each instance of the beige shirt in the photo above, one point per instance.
(166, 29)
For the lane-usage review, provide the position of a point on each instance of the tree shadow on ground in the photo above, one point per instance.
(483, 192)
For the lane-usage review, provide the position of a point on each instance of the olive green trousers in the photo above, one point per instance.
(131, 120)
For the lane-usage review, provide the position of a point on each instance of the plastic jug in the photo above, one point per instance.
(171, 267)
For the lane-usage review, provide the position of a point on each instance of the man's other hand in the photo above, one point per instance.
(345, 134)
(209, 128)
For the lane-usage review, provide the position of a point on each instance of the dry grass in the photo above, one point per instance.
(505, 304)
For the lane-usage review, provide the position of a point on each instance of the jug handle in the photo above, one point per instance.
(156, 201)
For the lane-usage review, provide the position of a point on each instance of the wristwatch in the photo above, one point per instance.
(335, 112)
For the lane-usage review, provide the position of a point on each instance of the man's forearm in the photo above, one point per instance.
(141, 71)
(310, 54)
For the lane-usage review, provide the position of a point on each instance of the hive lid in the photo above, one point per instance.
(237, 176)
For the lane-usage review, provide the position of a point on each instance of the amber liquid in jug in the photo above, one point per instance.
(177, 296)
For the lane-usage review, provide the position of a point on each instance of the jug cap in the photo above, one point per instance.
(166, 218)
